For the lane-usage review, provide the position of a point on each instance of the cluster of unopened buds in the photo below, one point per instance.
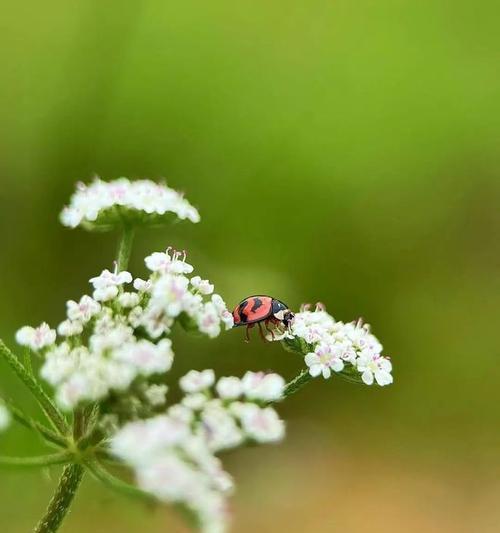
(108, 365)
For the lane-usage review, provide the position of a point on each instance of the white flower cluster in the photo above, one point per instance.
(104, 204)
(349, 349)
(173, 454)
(117, 336)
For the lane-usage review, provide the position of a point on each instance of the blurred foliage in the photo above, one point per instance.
(338, 151)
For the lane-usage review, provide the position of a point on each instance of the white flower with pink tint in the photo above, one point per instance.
(106, 285)
(323, 360)
(146, 357)
(195, 381)
(142, 285)
(229, 388)
(263, 387)
(225, 315)
(374, 366)
(169, 294)
(202, 285)
(129, 299)
(168, 262)
(83, 310)
(36, 338)
(260, 424)
(69, 328)
(208, 320)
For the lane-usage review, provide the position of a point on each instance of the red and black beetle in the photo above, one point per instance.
(261, 309)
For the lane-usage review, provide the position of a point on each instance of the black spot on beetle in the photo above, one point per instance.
(257, 302)
(241, 311)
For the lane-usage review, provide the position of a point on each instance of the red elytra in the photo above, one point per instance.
(260, 309)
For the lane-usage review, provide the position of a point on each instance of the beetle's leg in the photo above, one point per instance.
(266, 323)
(247, 336)
(262, 336)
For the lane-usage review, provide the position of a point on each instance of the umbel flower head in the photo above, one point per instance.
(102, 205)
(173, 454)
(331, 348)
(118, 338)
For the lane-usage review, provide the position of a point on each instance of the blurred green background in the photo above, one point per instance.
(338, 151)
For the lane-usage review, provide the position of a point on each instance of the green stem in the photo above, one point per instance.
(41, 460)
(61, 501)
(125, 247)
(29, 423)
(297, 383)
(49, 408)
(27, 361)
(106, 478)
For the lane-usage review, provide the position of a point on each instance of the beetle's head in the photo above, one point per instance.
(285, 316)
(287, 319)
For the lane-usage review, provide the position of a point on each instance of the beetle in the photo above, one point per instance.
(260, 309)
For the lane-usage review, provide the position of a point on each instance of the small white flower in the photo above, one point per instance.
(261, 424)
(169, 478)
(168, 262)
(169, 293)
(195, 401)
(195, 381)
(107, 283)
(229, 388)
(202, 285)
(146, 357)
(142, 285)
(60, 363)
(323, 360)
(83, 310)
(36, 338)
(72, 391)
(116, 336)
(155, 321)
(263, 387)
(372, 365)
(220, 429)
(107, 278)
(129, 299)
(155, 394)
(143, 441)
(5, 418)
(208, 320)
(115, 375)
(68, 328)
(135, 316)
(224, 314)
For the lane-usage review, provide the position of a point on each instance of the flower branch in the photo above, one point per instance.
(51, 411)
(37, 461)
(48, 435)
